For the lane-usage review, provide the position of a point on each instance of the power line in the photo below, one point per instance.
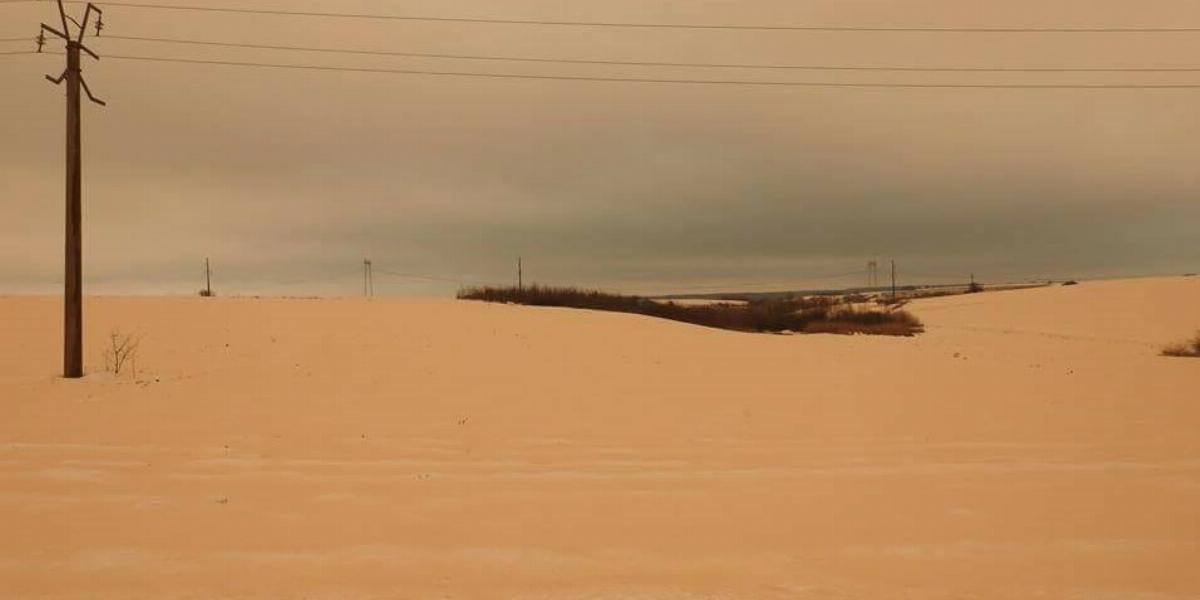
(933, 276)
(655, 63)
(781, 282)
(816, 84)
(415, 276)
(635, 25)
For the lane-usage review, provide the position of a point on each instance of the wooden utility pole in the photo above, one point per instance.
(368, 278)
(520, 275)
(893, 279)
(73, 273)
(207, 279)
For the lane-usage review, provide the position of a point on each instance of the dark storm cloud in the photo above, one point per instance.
(288, 179)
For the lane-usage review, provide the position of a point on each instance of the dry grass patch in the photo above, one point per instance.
(1189, 348)
(849, 320)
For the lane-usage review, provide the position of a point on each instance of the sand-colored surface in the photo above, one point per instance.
(1030, 445)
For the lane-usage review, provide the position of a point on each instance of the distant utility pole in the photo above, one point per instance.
(73, 278)
(368, 278)
(893, 279)
(520, 275)
(207, 279)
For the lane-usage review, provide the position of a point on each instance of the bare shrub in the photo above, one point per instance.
(1190, 348)
(818, 314)
(122, 351)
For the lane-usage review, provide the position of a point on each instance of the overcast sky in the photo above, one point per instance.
(287, 179)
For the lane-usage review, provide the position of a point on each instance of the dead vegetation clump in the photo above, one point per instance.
(892, 302)
(818, 314)
(849, 320)
(121, 352)
(1190, 348)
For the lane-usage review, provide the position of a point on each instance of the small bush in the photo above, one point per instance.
(1189, 348)
(122, 350)
(1072, 282)
(819, 314)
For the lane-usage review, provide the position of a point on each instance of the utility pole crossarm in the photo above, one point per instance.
(87, 14)
(88, 50)
(88, 91)
(45, 28)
